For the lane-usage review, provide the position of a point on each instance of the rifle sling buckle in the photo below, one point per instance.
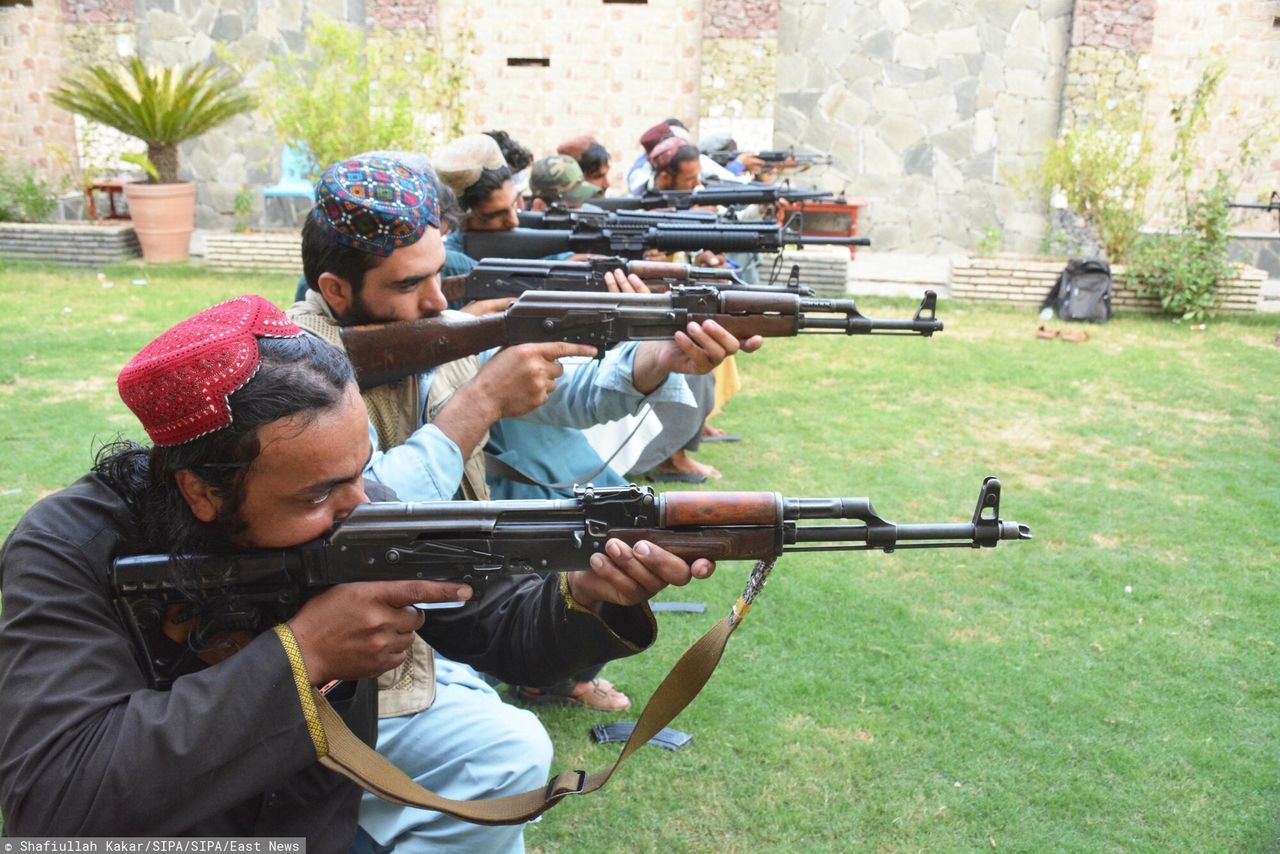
(555, 791)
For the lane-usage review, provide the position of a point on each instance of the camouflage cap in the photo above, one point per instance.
(460, 163)
(560, 177)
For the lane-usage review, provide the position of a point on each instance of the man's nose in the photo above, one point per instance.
(430, 297)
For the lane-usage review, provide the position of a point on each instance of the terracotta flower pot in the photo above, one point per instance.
(164, 215)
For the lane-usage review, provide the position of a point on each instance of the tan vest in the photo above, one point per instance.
(393, 410)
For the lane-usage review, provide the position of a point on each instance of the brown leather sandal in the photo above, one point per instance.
(1048, 332)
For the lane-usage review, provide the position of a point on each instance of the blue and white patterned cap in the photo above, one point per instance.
(375, 204)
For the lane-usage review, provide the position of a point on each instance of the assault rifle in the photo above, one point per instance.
(475, 541)
(631, 240)
(385, 353)
(722, 193)
(775, 158)
(496, 278)
(558, 216)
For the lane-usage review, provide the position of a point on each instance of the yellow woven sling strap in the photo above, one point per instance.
(354, 759)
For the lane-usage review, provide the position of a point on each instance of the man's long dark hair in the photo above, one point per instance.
(594, 158)
(298, 377)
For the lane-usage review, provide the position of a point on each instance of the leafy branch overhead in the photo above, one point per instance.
(162, 107)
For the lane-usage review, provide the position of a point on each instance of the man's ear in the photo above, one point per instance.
(200, 496)
(337, 292)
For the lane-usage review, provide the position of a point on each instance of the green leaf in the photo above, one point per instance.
(139, 158)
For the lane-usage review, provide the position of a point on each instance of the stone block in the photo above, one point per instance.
(895, 14)
(958, 42)
(914, 51)
(900, 132)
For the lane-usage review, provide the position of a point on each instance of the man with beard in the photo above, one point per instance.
(371, 254)
(260, 441)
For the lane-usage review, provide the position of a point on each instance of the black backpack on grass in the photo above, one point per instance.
(1082, 292)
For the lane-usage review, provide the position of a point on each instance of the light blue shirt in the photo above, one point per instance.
(546, 443)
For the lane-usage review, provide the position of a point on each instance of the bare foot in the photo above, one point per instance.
(601, 696)
(708, 430)
(681, 462)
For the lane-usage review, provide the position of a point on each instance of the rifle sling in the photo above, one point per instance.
(354, 759)
(500, 468)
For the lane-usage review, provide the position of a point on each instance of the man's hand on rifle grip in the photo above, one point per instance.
(624, 575)
(361, 630)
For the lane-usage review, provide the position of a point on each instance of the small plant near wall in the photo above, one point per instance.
(1185, 266)
(24, 196)
(1100, 171)
(990, 241)
(243, 208)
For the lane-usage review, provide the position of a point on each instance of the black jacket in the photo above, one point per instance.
(87, 749)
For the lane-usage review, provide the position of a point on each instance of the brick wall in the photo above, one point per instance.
(32, 129)
(615, 69)
(1188, 35)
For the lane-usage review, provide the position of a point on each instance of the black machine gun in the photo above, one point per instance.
(631, 239)
(497, 278)
(475, 541)
(723, 193)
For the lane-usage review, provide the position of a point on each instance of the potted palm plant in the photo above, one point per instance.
(162, 108)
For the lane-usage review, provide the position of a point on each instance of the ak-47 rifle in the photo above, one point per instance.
(559, 217)
(722, 193)
(385, 353)
(776, 158)
(630, 240)
(475, 541)
(496, 278)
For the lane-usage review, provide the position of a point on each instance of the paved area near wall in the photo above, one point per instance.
(903, 274)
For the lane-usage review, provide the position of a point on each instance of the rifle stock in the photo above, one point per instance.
(384, 353)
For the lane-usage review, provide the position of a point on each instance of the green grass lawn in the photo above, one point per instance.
(1112, 685)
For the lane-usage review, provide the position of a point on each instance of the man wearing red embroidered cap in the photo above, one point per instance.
(260, 441)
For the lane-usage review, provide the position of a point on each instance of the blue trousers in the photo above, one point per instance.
(469, 745)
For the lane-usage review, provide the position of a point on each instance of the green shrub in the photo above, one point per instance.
(351, 91)
(1184, 267)
(24, 197)
(1102, 168)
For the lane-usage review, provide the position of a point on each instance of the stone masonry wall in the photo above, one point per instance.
(1109, 42)
(739, 70)
(931, 109)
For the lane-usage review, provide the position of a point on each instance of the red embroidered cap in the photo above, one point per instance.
(179, 383)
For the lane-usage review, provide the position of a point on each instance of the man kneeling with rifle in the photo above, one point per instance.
(260, 441)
